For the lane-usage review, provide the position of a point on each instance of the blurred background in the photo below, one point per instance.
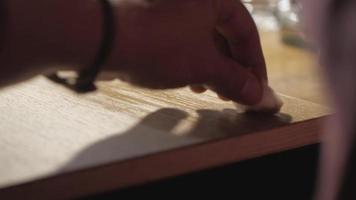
(291, 62)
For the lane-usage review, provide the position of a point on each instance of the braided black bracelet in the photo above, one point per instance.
(86, 77)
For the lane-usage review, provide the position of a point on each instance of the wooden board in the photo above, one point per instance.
(71, 145)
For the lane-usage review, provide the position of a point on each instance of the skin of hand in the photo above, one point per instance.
(41, 36)
(159, 44)
(164, 44)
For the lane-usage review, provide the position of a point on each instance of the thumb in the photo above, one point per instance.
(236, 82)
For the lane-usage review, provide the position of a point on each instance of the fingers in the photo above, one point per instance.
(201, 89)
(238, 27)
(233, 81)
(198, 88)
(223, 98)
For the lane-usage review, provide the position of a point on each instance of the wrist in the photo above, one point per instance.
(44, 33)
(84, 81)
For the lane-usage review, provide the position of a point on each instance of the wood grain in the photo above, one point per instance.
(72, 145)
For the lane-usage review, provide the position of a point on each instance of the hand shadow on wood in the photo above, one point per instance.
(155, 134)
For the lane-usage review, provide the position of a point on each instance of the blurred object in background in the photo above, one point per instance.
(282, 15)
(288, 14)
(263, 13)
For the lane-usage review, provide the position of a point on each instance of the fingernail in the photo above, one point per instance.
(251, 93)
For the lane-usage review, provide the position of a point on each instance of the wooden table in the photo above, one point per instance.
(58, 145)
(71, 145)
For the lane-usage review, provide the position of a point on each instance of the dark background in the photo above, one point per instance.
(288, 175)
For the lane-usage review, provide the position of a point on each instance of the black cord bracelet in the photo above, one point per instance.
(86, 77)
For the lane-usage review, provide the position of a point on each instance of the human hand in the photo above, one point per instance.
(201, 43)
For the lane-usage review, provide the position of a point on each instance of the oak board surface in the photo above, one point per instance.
(53, 139)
